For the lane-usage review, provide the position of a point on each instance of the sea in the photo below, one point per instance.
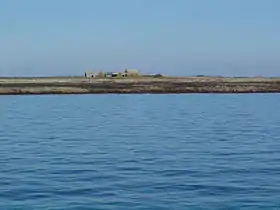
(140, 152)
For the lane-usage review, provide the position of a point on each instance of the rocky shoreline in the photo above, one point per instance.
(20, 86)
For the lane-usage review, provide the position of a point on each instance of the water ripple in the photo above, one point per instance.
(140, 152)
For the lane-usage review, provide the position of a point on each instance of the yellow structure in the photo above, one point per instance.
(89, 74)
(132, 72)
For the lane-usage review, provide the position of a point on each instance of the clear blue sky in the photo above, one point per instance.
(180, 37)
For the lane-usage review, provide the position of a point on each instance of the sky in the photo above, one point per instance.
(174, 37)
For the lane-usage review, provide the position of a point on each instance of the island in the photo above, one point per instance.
(138, 84)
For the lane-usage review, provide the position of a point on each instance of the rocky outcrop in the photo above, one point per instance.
(141, 85)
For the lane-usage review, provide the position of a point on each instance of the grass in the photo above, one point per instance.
(45, 77)
(158, 76)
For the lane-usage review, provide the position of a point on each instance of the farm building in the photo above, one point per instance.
(132, 72)
(89, 74)
(111, 74)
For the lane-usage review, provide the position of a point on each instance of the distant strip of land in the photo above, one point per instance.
(196, 84)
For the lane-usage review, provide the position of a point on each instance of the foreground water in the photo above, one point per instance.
(140, 152)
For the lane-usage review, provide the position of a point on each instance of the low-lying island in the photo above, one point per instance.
(79, 85)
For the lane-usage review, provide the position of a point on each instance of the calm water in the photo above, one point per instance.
(140, 152)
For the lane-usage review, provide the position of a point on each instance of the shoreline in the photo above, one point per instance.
(165, 85)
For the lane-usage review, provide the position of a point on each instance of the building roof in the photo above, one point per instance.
(131, 70)
(111, 73)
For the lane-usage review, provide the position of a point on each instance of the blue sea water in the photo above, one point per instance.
(140, 152)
